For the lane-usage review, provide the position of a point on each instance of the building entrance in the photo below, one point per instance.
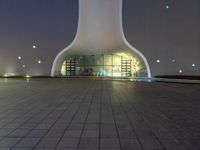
(101, 66)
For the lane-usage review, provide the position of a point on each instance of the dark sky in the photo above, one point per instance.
(158, 32)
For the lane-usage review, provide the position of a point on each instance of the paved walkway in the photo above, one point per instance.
(76, 114)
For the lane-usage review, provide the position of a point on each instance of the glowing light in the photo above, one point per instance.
(39, 61)
(34, 46)
(19, 57)
(28, 76)
(27, 80)
(63, 68)
(158, 61)
(180, 71)
(149, 80)
(167, 6)
(193, 65)
(102, 72)
(117, 74)
(23, 66)
(173, 60)
(132, 80)
(9, 74)
(131, 66)
(135, 63)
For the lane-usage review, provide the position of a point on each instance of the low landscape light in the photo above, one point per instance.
(193, 65)
(28, 76)
(34, 46)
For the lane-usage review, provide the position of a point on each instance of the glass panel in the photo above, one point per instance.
(116, 71)
(126, 57)
(116, 60)
(81, 71)
(80, 61)
(101, 65)
(98, 59)
(107, 60)
(77, 71)
(89, 60)
(100, 71)
(89, 71)
(108, 71)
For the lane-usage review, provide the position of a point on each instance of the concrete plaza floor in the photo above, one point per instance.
(83, 114)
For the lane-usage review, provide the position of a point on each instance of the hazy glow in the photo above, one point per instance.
(39, 61)
(116, 74)
(23, 66)
(116, 65)
(28, 76)
(135, 63)
(27, 80)
(193, 65)
(19, 57)
(34, 46)
(9, 74)
(180, 71)
(167, 6)
(63, 69)
(158, 61)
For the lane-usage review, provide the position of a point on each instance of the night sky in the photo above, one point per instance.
(165, 31)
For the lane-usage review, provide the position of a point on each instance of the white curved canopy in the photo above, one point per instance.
(99, 31)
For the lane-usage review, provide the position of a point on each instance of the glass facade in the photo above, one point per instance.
(118, 65)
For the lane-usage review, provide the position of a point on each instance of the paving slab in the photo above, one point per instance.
(80, 114)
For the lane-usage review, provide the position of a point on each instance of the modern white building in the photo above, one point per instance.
(100, 47)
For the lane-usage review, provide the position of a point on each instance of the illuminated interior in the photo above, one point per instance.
(109, 65)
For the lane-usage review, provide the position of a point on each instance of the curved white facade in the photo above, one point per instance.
(100, 31)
